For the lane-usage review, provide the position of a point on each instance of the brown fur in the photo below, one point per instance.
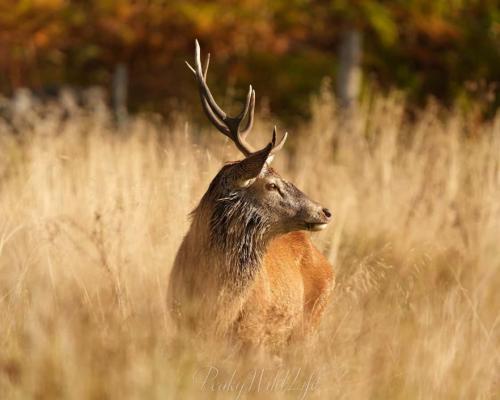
(289, 295)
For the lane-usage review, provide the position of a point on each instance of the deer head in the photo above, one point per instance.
(247, 200)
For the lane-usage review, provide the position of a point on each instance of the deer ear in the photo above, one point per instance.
(251, 167)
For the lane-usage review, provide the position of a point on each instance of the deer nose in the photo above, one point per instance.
(327, 213)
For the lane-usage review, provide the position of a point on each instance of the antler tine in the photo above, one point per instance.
(251, 108)
(204, 87)
(279, 146)
(206, 67)
(190, 67)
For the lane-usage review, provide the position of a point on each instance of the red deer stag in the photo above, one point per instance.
(246, 268)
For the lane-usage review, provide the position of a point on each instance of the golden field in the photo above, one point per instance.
(91, 217)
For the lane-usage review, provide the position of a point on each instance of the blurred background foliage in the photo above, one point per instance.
(446, 49)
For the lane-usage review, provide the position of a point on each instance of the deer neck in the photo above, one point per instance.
(235, 236)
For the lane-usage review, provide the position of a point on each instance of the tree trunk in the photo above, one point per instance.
(120, 86)
(349, 72)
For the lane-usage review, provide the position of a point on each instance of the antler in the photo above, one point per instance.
(229, 126)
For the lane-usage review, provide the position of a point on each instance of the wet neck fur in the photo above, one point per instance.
(235, 233)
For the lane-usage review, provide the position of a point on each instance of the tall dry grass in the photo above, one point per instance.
(90, 220)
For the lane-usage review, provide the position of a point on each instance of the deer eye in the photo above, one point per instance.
(271, 186)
